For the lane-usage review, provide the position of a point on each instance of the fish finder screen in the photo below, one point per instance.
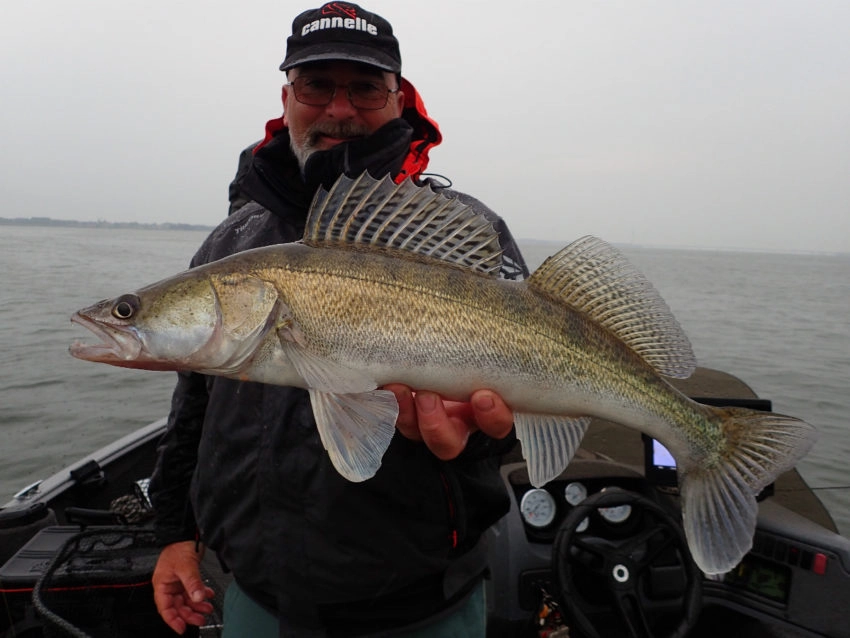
(661, 457)
(659, 465)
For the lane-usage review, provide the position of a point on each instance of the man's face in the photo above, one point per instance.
(316, 128)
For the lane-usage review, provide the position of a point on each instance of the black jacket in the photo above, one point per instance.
(241, 464)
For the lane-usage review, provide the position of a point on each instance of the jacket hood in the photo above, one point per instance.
(426, 133)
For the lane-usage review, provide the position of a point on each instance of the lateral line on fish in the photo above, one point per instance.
(321, 271)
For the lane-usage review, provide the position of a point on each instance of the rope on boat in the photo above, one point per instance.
(122, 557)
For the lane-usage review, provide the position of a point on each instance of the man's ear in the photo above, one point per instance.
(399, 102)
(284, 93)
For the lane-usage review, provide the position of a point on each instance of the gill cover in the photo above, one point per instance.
(247, 307)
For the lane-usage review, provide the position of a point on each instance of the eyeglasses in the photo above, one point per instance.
(368, 95)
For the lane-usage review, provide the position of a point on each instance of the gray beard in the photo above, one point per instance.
(301, 154)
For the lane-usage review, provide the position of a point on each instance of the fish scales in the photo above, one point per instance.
(397, 284)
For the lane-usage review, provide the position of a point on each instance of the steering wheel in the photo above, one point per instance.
(635, 578)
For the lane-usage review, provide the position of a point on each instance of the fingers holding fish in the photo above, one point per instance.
(492, 415)
(406, 423)
(445, 426)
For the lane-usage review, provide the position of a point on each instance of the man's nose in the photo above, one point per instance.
(340, 106)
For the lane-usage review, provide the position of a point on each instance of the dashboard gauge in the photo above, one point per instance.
(575, 493)
(582, 527)
(617, 514)
(537, 507)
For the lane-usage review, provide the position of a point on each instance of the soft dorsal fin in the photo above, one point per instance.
(596, 279)
(379, 215)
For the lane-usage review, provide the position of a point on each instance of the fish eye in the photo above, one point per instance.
(125, 307)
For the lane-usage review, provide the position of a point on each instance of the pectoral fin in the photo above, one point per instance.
(318, 372)
(356, 429)
(548, 443)
(356, 421)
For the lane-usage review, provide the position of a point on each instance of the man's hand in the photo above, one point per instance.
(178, 590)
(445, 426)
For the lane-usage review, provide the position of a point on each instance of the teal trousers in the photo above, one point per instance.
(243, 618)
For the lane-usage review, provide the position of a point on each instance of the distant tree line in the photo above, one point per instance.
(47, 221)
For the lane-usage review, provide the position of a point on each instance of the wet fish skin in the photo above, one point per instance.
(395, 286)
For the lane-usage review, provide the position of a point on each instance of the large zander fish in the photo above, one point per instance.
(397, 284)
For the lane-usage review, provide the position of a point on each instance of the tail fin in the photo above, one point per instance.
(718, 495)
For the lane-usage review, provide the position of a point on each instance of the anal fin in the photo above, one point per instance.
(548, 443)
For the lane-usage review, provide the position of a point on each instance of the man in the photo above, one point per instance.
(241, 469)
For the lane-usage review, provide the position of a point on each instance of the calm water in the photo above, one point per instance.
(780, 322)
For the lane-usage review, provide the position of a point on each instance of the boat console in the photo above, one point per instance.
(602, 548)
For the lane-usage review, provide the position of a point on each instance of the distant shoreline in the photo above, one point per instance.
(70, 223)
(47, 221)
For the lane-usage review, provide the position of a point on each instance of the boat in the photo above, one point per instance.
(598, 552)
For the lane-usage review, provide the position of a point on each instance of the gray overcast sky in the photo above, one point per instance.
(723, 123)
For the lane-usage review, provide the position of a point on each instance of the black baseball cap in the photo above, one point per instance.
(342, 31)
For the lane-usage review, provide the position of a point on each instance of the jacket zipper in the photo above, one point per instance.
(452, 513)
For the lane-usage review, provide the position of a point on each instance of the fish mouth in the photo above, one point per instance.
(118, 346)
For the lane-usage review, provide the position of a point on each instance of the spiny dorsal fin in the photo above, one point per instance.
(596, 279)
(378, 214)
